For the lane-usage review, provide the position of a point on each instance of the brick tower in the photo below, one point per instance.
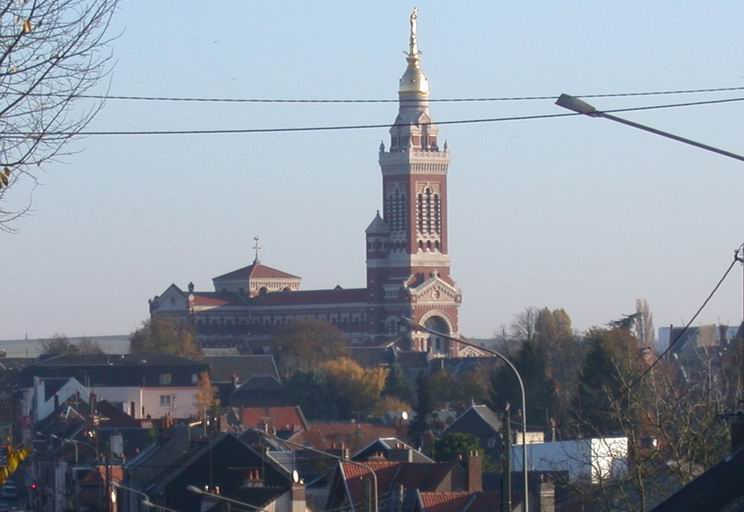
(408, 266)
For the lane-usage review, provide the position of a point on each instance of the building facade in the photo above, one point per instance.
(408, 265)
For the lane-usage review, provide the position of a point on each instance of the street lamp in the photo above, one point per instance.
(196, 490)
(150, 504)
(418, 327)
(581, 107)
(331, 455)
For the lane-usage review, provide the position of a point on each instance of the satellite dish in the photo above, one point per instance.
(404, 415)
(295, 476)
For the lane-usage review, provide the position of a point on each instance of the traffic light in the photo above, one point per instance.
(34, 486)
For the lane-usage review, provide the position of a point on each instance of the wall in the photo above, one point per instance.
(591, 459)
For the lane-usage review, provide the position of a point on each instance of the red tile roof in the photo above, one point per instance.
(460, 501)
(280, 418)
(354, 436)
(444, 501)
(333, 296)
(257, 270)
(212, 299)
(391, 474)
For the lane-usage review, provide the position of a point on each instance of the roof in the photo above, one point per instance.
(719, 488)
(313, 297)
(377, 226)
(141, 359)
(280, 418)
(353, 435)
(482, 412)
(385, 445)
(224, 368)
(256, 270)
(459, 501)
(215, 299)
(391, 475)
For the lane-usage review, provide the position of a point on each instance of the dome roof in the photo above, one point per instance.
(414, 80)
(377, 226)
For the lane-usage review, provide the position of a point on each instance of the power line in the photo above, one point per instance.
(192, 99)
(236, 131)
(679, 336)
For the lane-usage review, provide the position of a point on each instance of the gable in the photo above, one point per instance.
(434, 291)
(173, 299)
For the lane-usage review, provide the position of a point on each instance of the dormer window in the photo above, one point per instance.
(165, 379)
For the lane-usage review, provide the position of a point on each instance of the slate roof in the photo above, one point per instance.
(482, 412)
(385, 444)
(718, 489)
(142, 359)
(256, 270)
(223, 368)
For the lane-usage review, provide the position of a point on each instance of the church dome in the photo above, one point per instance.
(377, 226)
(414, 80)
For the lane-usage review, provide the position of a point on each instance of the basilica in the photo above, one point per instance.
(408, 264)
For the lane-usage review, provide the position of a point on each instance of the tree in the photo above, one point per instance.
(523, 326)
(670, 418)
(455, 445)
(311, 392)
(51, 53)
(562, 353)
(644, 324)
(206, 397)
(396, 385)
(88, 346)
(540, 390)
(356, 390)
(306, 344)
(161, 335)
(58, 344)
(424, 407)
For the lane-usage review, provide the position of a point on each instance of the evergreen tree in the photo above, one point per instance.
(609, 362)
(539, 389)
(396, 385)
(424, 407)
(311, 392)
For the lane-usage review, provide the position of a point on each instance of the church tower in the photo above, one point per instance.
(408, 266)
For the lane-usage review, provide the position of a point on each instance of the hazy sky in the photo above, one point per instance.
(577, 213)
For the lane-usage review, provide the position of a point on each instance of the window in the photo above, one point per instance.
(165, 379)
(166, 400)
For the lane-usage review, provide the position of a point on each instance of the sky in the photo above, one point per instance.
(575, 213)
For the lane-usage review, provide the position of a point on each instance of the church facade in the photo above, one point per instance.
(407, 258)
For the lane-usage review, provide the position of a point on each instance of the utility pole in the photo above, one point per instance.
(506, 477)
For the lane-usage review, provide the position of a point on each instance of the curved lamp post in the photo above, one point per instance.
(418, 327)
(581, 107)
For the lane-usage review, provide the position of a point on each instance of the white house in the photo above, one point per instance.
(151, 385)
(584, 459)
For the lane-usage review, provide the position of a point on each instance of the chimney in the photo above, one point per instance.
(400, 453)
(298, 496)
(474, 466)
(93, 401)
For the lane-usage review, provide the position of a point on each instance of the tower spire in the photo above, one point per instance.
(256, 248)
(413, 80)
